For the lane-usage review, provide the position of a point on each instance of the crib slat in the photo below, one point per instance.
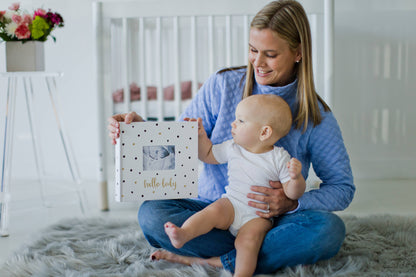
(228, 40)
(193, 57)
(160, 68)
(328, 50)
(176, 59)
(125, 65)
(101, 111)
(211, 43)
(142, 66)
(246, 29)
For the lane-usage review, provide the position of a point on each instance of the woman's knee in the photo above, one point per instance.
(154, 214)
(331, 235)
(301, 238)
(326, 234)
(149, 216)
(151, 221)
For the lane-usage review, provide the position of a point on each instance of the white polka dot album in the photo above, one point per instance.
(156, 160)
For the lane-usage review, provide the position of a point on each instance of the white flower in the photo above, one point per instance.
(9, 14)
(10, 29)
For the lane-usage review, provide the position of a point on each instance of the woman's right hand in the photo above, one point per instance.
(114, 125)
(201, 130)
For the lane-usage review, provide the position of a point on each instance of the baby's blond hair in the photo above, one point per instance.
(271, 110)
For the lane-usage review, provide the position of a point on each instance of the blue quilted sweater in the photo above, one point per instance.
(321, 145)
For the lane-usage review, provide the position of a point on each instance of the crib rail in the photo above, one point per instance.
(167, 51)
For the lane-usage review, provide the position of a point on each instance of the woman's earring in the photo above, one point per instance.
(297, 61)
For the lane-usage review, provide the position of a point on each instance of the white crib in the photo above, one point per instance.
(152, 55)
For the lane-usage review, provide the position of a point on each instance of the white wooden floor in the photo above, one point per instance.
(28, 215)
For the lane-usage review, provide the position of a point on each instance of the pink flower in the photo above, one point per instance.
(27, 18)
(17, 19)
(16, 24)
(14, 7)
(39, 12)
(22, 31)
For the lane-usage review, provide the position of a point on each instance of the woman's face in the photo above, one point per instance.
(271, 57)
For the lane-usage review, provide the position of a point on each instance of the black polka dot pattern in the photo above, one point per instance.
(156, 160)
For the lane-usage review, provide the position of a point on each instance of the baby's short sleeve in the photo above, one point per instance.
(282, 158)
(221, 151)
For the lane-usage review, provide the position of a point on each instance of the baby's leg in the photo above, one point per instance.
(248, 242)
(219, 214)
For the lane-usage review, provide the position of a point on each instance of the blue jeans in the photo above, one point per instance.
(304, 237)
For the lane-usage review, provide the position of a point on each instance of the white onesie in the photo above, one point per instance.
(246, 169)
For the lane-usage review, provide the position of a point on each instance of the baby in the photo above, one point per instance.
(260, 121)
(160, 157)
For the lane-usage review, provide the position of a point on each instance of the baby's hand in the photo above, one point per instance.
(295, 168)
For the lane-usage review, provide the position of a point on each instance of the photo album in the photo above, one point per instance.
(156, 160)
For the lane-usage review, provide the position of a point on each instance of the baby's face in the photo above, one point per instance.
(245, 130)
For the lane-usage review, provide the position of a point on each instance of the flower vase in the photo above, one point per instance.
(28, 56)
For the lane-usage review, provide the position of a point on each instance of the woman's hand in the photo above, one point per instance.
(201, 129)
(273, 199)
(114, 125)
(204, 143)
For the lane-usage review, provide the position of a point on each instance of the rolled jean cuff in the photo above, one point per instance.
(227, 263)
(295, 210)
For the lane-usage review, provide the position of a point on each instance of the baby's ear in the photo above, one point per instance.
(266, 133)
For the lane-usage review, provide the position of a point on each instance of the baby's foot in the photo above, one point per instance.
(175, 258)
(175, 234)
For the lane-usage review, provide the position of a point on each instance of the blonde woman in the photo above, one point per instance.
(304, 230)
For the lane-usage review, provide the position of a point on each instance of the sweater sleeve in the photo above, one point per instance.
(205, 104)
(331, 163)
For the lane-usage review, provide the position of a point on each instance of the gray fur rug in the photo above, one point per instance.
(382, 245)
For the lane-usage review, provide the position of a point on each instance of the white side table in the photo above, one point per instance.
(26, 79)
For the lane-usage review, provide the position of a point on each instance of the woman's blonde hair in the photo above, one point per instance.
(288, 19)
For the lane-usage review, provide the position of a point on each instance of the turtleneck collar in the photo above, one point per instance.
(286, 92)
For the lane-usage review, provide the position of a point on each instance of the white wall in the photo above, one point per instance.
(375, 69)
(375, 61)
(72, 54)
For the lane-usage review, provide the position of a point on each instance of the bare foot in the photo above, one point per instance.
(176, 234)
(175, 258)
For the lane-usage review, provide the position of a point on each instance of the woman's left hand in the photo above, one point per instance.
(273, 199)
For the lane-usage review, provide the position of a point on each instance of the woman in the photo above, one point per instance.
(304, 230)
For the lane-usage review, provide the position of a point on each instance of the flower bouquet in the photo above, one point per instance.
(24, 34)
(17, 25)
